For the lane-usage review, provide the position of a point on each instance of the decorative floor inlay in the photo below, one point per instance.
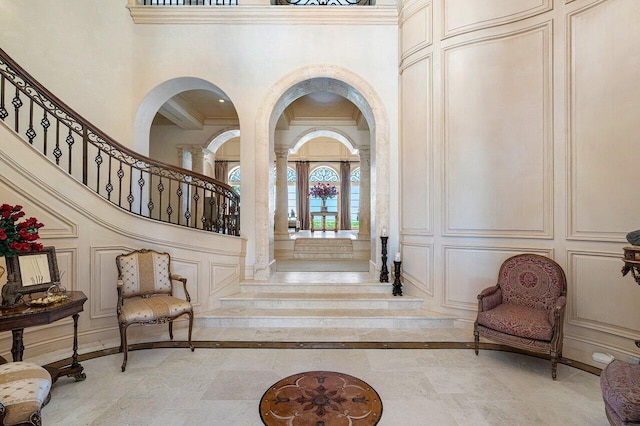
(320, 398)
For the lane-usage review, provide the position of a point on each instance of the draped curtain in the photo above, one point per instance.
(221, 171)
(345, 195)
(302, 193)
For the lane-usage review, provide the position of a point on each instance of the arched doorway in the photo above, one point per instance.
(299, 83)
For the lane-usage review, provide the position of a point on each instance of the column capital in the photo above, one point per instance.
(281, 152)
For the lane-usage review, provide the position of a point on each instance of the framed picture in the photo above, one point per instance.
(30, 272)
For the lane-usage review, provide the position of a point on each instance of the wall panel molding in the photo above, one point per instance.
(418, 265)
(600, 121)
(56, 224)
(189, 269)
(474, 269)
(103, 296)
(68, 267)
(415, 28)
(599, 297)
(479, 14)
(497, 197)
(223, 275)
(416, 148)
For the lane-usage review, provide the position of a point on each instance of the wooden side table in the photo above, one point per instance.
(18, 318)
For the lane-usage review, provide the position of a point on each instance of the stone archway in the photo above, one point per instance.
(328, 132)
(299, 83)
(157, 97)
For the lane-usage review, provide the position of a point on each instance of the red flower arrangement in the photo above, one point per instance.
(17, 236)
(323, 191)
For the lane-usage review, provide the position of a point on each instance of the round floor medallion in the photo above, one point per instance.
(320, 398)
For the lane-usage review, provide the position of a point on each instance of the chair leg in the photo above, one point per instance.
(171, 329)
(190, 330)
(125, 346)
(120, 327)
(476, 341)
(554, 367)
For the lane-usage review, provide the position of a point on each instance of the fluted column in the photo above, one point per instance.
(364, 211)
(281, 220)
(197, 159)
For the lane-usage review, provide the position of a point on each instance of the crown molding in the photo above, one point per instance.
(266, 15)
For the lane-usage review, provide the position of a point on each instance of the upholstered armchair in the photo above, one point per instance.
(145, 294)
(526, 308)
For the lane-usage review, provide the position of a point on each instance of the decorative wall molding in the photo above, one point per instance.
(422, 254)
(416, 147)
(266, 15)
(189, 269)
(416, 28)
(591, 149)
(529, 226)
(482, 273)
(103, 297)
(68, 266)
(57, 225)
(592, 293)
(526, 9)
(222, 275)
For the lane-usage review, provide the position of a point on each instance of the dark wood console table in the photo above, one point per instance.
(23, 316)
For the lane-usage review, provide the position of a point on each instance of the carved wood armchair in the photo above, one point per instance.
(145, 294)
(526, 308)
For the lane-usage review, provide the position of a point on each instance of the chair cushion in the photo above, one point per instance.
(23, 389)
(151, 308)
(518, 321)
(620, 384)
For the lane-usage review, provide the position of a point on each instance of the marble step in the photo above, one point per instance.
(316, 287)
(323, 248)
(301, 301)
(322, 318)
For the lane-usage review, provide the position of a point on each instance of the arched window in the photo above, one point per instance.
(355, 198)
(324, 174)
(234, 179)
(291, 191)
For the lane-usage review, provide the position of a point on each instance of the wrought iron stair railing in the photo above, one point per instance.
(127, 179)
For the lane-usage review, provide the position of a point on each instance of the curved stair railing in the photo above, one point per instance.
(127, 179)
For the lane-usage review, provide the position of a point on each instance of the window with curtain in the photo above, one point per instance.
(234, 179)
(291, 191)
(324, 174)
(355, 198)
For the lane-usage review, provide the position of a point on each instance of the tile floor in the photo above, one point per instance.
(418, 387)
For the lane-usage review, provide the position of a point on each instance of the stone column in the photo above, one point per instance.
(197, 159)
(281, 213)
(364, 211)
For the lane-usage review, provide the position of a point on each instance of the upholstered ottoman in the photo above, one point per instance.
(24, 388)
(620, 384)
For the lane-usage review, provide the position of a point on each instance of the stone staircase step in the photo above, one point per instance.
(301, 301)
(318, 264)
(315, 287)
(337, 318)
(325, 248)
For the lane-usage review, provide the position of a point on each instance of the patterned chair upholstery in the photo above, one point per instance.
(620, 384)
(24, 390)
(526, 308)
(145, 294)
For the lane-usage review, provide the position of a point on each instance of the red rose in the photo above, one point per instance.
(36, 247)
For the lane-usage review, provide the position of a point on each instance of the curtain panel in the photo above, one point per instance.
(302, 194)
(345, 195)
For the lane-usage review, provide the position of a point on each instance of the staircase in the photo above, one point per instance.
(320, 300)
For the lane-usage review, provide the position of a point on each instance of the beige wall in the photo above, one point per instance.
(517, 120)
